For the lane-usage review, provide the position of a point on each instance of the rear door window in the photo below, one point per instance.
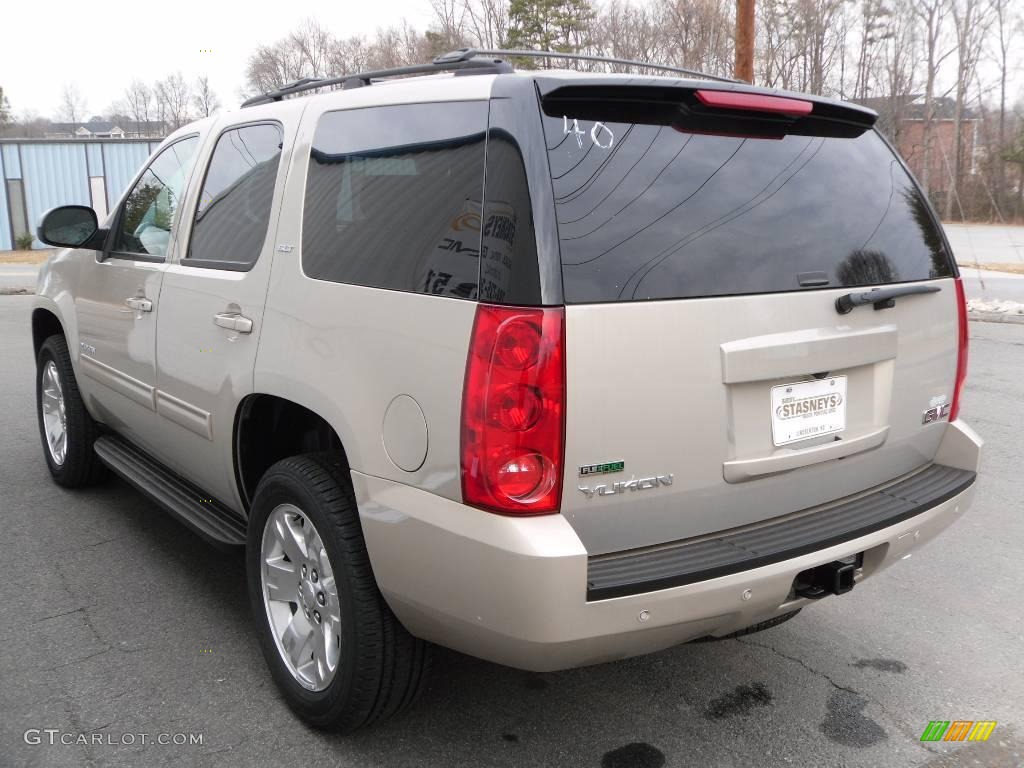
(647, 211)
(393, 198)
(233, 213)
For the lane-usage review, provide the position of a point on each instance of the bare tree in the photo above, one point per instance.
(772, 47)
(397, 46)
(272, 66)
(803, 44)
(352, 54)
(626, 31)
(485, 21)
(204, 99)
(1007, 29)
(698, 34)
(971, 19)
(313, 45)
(876, 28)
(26, 125)
(932, 15)
(172, 97)
(896, 70)
(138, 99)
(72, 104)
(816, 36)
(450, 19)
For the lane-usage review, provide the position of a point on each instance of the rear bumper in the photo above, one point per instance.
(514, 591)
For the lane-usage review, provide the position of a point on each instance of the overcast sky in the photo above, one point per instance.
(101, 47)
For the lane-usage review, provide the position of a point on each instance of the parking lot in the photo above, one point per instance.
(118, 621)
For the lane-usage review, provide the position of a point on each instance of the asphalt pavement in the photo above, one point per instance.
(117, 622)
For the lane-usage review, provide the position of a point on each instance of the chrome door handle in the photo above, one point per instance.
(139, 304)
(233, 322)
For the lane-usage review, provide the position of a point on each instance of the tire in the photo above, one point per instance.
(78, 465)
(380, 668)
(761, 626)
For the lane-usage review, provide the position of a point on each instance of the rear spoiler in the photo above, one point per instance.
(702, 107)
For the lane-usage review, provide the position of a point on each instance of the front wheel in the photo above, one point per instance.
(335, 649)
(66, 428)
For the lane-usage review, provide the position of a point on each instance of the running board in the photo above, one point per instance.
(190, 505)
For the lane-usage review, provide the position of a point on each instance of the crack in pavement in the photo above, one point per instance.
(902, 726)
(802, 663)
(101, 727)
(81, 659)
(89, 546)
(56, 615)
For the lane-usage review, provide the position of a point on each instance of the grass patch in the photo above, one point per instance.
(1016, 268)
(25, 257)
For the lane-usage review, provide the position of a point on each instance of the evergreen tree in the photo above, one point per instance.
(549, 25)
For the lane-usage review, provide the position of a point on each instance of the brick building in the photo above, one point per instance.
(902, 120)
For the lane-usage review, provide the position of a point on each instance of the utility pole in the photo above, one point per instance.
(744, 40)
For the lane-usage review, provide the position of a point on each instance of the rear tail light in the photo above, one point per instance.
(961, 355)
(754, 102)
(513, 409)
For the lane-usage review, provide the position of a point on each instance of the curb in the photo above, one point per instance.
(995, 317)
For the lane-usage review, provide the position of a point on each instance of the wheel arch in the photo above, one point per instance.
(269, 428)
(45, 323)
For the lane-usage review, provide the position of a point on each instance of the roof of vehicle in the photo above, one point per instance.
(462, 61)
(445, 77)
(451, 83)
(447, 86)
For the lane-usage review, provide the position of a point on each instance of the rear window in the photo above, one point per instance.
(649, 211)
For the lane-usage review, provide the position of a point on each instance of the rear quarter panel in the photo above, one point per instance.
(347, 352)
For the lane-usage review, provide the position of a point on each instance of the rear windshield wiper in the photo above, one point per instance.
(882, 298)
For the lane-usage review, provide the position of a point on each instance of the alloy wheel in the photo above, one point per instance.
(300, 597)
(54, 417)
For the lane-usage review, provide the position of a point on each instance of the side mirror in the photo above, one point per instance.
(69, 226)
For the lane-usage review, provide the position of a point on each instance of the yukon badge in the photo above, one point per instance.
(634, 484)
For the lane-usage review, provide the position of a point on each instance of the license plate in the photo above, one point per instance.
(807, 409)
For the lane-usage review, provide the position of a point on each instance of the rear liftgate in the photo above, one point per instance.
(759, 307)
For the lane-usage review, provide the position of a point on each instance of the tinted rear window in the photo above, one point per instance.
(233, 213)
(393, 198)
(646, 211)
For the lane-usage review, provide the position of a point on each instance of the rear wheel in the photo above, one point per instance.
(335, 649)
(65, 427)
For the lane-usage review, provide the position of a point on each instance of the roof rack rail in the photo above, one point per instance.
(359, 79)
(588, 57)
(461, 61)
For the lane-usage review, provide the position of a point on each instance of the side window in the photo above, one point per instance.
(233, 213)
(393, 198)
(508, 273)
(149, 211)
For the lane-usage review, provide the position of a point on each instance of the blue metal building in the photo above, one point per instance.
(39, 174)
